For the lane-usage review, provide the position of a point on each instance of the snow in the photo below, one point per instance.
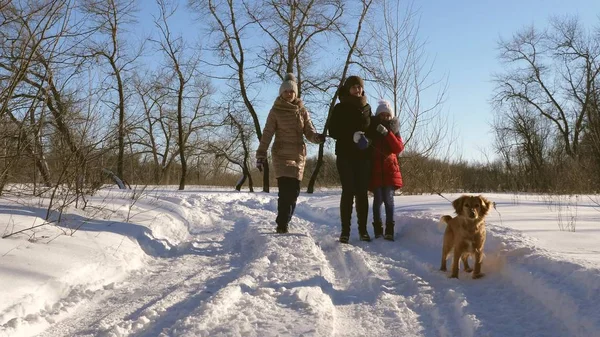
(207, 262)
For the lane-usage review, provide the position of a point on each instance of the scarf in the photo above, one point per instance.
(358, 102)
(281, 104)
(294, 108)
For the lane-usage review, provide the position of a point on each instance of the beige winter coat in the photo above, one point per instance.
(289, 122)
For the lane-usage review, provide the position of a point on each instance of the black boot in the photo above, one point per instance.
(345, 236)
(363, 234)
(389, 231)
(282, 229)
(378, 229)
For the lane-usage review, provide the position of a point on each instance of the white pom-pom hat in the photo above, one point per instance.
(289, 83)
(384, 106)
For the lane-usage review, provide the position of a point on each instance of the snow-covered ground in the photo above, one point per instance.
(208, 263)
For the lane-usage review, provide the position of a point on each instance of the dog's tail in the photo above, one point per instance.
(444, 221)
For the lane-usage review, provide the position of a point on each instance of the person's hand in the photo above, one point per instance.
(382, 129)
(394, 125)
(357, 135)
(260, 163)
(321, 138)
(361, 141)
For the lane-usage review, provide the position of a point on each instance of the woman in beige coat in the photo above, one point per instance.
(289, 122)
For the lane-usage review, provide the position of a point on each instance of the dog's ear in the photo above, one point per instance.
(486, 205)
(458, 204)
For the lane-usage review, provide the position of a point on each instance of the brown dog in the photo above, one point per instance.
(465, 233)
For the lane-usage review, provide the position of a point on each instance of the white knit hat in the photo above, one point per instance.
(289, 83)
(384, 106)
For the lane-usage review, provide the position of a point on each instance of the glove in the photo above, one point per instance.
(360, 140)
(394, 125)
(321, 138)
(363, 142)
(260, 163)
(382, 129)
(357, 135)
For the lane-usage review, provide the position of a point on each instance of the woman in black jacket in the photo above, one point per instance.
(349, 121)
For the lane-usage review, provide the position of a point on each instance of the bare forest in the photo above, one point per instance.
(92, 93)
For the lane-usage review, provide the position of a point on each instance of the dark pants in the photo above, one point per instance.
(383, 195)
(289, 189)
(354, 176)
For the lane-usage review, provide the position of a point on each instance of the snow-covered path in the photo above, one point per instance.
(224, 272)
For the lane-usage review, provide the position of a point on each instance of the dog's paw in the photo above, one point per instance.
(476, 276)
(453, 276)
(468, 270)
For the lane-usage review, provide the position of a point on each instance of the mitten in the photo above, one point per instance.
(260, 163)
(394, 125)
(382, 129)
(361, 141)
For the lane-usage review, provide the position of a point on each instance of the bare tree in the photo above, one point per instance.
(351, 42)
(591, 137)
(156, 136)
(291, 28)
(36, 45)
(185, 70)
(109, 18)
(230, 28)
(399, 67)
(553, 71)
(231, 140)
(48, 105)
(525, 144)
(24, 31)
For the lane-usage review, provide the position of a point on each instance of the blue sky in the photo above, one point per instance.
(462, 37)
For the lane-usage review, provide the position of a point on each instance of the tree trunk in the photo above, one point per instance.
(181, 133)
(366, 4)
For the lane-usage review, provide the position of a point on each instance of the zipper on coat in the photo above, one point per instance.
(382, 163)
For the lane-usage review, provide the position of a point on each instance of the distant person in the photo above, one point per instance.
(385, 170)
(289, 122)
(349, 121)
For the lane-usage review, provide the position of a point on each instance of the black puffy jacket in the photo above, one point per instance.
(347, 118)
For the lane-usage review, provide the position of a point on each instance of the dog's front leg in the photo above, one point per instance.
(445, 251)
(455, 260)
(446, 245)
(478, 262)
(443, 264)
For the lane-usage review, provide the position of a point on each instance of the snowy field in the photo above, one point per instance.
(208, 263)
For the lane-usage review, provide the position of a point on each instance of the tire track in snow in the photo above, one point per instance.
(389, 282)
(170, 297)
(463, 307)
(297, 273)
(141, 300)
(151, 301)
(437, 314)
(494, 300)
(352, 287)
(277, 292)
(256, 283)
(236, 254)
(523, 286)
